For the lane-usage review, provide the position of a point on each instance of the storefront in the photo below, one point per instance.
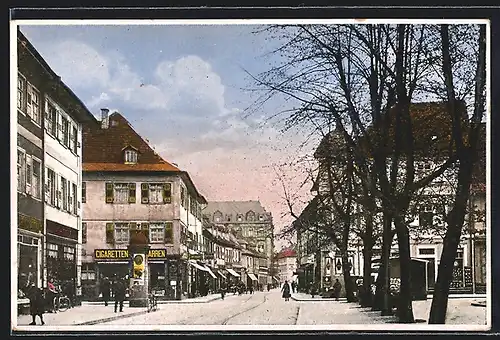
(61, 261)
(29, 251)
(115, 263)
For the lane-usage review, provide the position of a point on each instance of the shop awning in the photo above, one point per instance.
(220, 273)
(275, 279)
(252, 277)
(210, 272)
(196, 265)
(232, 272)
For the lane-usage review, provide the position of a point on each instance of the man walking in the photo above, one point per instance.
(119, 291)
(337, 288)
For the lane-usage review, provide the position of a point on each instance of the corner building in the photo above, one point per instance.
(127, 187)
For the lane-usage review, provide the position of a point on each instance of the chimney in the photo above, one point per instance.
(104, 118)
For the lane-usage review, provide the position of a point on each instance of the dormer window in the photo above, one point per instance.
(130, 155)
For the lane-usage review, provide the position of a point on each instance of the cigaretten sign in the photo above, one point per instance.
(123, 254)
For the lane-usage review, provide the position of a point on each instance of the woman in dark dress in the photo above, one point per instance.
(286, 291)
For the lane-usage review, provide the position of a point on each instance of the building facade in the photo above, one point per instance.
(252, 223)
(50, 118)
(287, 265)
(128, 187)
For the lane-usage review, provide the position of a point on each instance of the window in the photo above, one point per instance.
(84, 232)
(156, 233)
(64, 189)
(130, 156)
(183, 196)
(121, 233)
(250, 216)
(75, 200)
(37, 180)
(52, 250)
(21, 171)
(50, 190)
(33, 104)
(84, 192)
(65, 131)
(121, 193)
(155, 193)
(69, 253)
(50, 118)
(74, 136)
(21, 93)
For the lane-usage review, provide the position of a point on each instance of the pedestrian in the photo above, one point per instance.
(105, 290)
(286, 291)
(37, 303)
(119, 292)
(51, 294)
(337, 287)
(223, 290)
(293, 287)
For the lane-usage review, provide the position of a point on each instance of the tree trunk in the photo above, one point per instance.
(365, 294)
(348, 284)
(405, 308)
(451, 241)
(383, 280)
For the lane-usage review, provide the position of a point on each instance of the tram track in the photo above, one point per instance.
(244, 311)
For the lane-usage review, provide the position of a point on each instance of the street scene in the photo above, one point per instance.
(251, 174)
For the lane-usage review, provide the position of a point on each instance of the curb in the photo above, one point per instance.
(160, 302)
(478, 304)
(113, 318)
(321, 299)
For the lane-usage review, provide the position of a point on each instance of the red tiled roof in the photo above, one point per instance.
(128, 167)
(286, 253)
(101, 146)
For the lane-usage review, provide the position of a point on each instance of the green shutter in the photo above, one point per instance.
(145, 229)
(145, 193)
(169, 233)
(167, 193)
(131, 193)
(109, 193)
(110, 233)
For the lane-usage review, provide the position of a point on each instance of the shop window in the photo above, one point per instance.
(69, 253)
(88, 275)
(52, 250)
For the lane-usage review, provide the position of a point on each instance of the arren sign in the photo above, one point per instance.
(123, 254)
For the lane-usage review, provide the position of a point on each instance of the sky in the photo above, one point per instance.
(185, 89)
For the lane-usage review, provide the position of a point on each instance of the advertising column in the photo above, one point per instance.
(139, 282)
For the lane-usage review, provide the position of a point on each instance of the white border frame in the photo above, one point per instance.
(383, 327)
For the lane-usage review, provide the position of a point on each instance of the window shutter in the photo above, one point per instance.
(131, 193)
(167, 193)
(145, 193)
(169, 235)
(145, 229)
(110, 233)
(109, 193)
(58, 190)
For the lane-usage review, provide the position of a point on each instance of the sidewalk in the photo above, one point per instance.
(91, 313)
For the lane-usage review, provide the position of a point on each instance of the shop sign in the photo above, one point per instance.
(197, 257)
(29, 223)
(123, 254)
(59, 229)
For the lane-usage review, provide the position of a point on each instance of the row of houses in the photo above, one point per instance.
(85, 186)
(320, 262)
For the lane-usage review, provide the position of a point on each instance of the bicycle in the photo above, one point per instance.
(152, 303)
(61, 303)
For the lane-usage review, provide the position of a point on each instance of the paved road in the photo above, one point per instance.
(260, 308)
